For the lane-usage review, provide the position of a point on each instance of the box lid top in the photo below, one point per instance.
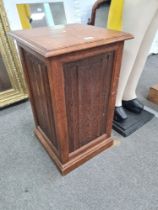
(51, 41)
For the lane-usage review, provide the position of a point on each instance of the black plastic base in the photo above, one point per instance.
(133, 123)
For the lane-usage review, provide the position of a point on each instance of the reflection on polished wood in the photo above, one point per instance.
(10, 61)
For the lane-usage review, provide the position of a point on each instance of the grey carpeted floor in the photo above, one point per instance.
(124, 177)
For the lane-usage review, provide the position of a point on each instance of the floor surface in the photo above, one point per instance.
(124, 177)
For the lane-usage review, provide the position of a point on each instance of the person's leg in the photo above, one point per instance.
(138, 15)
(130, 90)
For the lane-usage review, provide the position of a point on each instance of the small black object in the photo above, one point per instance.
(133, 105)
(133, 122)
(120, 114)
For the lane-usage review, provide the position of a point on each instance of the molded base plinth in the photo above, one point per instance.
(75, 161)
(133, 123)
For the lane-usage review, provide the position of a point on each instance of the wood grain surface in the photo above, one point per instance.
(72, 86)
(50, 41)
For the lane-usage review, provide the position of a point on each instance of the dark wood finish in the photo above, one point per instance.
(86, 92)
(97, 4)
(72, 78)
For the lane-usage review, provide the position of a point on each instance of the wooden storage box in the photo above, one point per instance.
(72, 74)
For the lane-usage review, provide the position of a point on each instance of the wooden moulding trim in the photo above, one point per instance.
(88, 154)
(39, 56)
(78, 160)
(48, 141)
(88, 146)
(88, 53)
(73, 48)
(113, 86)
(85, 46)
(59, 107)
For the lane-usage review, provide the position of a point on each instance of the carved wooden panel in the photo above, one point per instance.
(87, 85)
(38, 76)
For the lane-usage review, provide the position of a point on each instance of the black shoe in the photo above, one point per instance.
(120, 114)
(133, 105)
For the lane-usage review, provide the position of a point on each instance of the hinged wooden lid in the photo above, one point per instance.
(51, 41)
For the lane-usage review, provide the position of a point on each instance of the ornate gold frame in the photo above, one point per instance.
(13, 65)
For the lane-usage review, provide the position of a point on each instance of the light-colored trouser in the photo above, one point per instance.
(141, 20)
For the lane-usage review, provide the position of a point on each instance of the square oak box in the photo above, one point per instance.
(72, 74)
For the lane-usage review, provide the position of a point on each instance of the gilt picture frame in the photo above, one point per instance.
(18, 90)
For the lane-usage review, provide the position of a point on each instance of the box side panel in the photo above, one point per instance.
(41, 98)
(87, 86)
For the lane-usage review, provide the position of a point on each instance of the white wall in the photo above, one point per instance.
(13, 18)
(72, 10)
(85, 9)
(76, 10)
(154, 47)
